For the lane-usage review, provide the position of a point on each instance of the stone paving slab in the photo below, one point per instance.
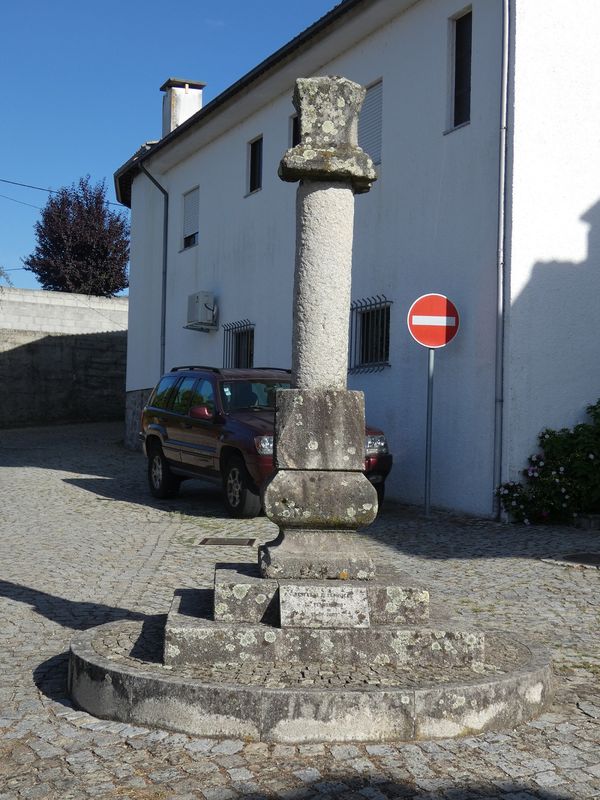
(81, 543)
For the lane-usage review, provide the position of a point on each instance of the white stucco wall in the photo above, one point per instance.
(145, 281)
(428, 225)
(553, 341)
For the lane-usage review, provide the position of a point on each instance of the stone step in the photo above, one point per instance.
(242, 595)
(115, 673)
(191, 639)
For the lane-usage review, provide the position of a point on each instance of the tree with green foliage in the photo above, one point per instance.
(82, 246)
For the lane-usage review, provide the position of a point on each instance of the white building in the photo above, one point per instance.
(487, 118)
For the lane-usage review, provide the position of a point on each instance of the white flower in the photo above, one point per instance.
(561, 469)
(564, 505)
(546, 436)
(534, 458)
(566, 497)
(514, 503)
(541, 463)
(553, 472)
(563, 490)
(592, 456)
(526, 521)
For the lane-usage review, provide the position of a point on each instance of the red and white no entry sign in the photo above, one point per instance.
(433, 320)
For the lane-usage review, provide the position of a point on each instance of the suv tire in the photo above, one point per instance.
(161, 480)
(240, 495)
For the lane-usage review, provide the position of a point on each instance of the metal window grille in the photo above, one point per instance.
(191, 217)
(238, 344)
(463, 27)
(369, 122)
(369, 334)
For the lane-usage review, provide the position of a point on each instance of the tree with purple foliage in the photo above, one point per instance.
(82, 246)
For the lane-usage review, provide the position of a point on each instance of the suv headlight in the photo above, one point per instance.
(375, 444)
(264, 445)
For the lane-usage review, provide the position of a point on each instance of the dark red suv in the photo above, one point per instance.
(217, 424)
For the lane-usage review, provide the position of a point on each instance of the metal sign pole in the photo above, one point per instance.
(429, 430)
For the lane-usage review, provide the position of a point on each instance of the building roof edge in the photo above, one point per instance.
(124, 175)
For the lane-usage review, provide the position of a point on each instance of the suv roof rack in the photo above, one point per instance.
(195, 366)
(278, 369)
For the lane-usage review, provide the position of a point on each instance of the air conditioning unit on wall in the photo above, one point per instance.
(202, 313)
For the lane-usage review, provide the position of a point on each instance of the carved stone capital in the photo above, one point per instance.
(328, 109)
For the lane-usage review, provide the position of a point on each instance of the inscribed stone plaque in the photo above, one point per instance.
(318, 605)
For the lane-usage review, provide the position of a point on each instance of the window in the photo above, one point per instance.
(163, 390)
(183, 395)
(369, 122)
(461, 110)
(295, 130)
(250, 394)
(370, 334)
(255, 165)
(191, 217)
(238, 344)
(203, 395)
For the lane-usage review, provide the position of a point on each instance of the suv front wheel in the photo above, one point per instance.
(161, 480)
(240, 499)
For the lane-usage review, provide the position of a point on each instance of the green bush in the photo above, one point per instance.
(562, 480)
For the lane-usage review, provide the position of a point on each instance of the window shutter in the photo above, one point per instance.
(191, 212)
(369, 123)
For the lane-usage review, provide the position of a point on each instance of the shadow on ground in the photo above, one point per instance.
(195, 498)
(73, 614)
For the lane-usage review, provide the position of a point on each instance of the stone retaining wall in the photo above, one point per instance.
(134, 402)
(49, 377)
(62, 357)
(61, 312)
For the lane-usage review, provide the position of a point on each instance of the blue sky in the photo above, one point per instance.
(81, 86)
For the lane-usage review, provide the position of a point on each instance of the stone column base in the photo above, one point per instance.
(300, 553)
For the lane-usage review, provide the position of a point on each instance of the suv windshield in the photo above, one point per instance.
(236, 395)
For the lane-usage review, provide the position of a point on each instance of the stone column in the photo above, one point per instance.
(319, 495)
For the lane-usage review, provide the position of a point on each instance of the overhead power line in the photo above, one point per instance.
(14, 199)
(42, 189)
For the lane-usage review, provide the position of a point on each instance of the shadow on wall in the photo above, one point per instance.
(61, 378)
(554, 345)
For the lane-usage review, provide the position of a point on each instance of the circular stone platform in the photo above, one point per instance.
(116, 672)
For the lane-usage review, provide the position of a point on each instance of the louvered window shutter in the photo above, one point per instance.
(369, 123)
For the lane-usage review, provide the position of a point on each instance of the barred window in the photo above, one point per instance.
(369, 122)
(238, 344)
(369, 334)
(191, 218)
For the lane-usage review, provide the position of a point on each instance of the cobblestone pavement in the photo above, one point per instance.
(81, 544)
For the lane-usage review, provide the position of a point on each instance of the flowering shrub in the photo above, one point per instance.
(562, 480)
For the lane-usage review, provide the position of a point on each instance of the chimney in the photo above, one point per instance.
(181, 101)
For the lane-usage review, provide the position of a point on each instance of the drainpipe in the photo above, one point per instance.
(163, 302)
(501, 263)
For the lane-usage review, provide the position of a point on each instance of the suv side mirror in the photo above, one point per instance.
(202, 412)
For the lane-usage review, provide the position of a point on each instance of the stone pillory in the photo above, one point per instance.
(373, 665)
(319, 495)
